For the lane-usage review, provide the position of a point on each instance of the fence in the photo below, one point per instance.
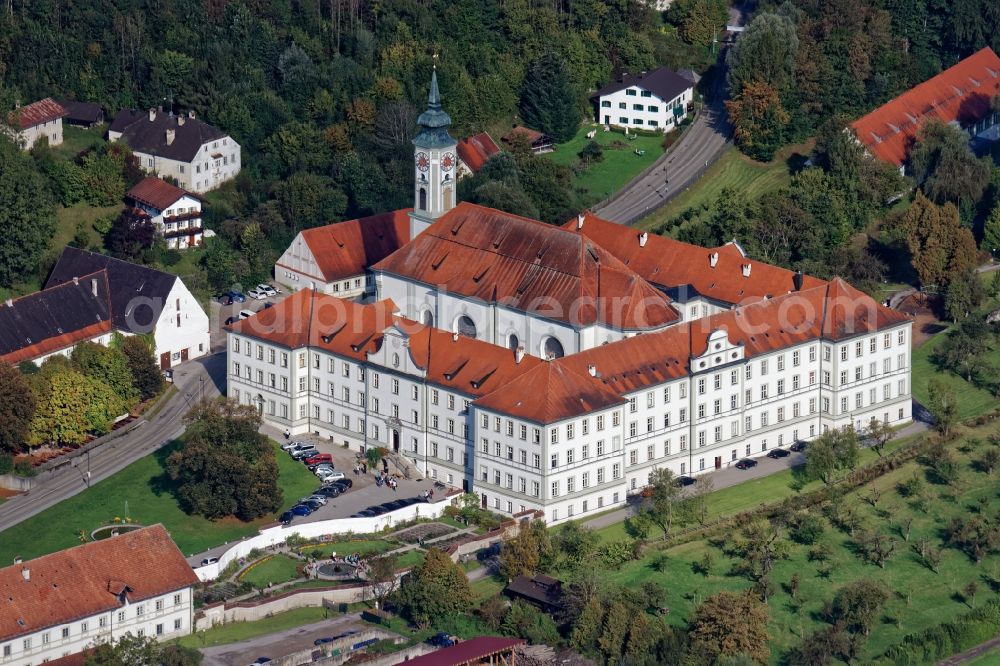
(273, 536)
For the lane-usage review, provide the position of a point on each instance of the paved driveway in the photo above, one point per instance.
(280, 643)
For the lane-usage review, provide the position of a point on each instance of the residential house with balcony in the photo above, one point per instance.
(175, 213)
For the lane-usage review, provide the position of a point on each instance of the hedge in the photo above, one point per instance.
(975, 627)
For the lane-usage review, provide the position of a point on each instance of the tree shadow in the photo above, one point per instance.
(162, 484)
(799, 478)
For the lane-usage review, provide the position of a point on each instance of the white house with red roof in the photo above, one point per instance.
(175, 212)
(554, 368)
(62, 604)
(42, 119)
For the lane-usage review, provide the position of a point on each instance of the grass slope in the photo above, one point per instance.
(241, 631)
(922, 599)
(145, 490)
(620, 164)
(972, 401)
(732, 170)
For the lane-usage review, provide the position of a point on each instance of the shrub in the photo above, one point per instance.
(6, 463)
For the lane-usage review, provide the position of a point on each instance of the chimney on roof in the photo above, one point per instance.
(797, 280)
(76, 280)
(93, 286)
(26, 573)
(592, 369)
(170, 136)
(579, 220)
(9, 302)
(152, 114)
(519, 354)
(454, 336)
(746, 270)
(17, 559)
(191, 115)
(643, 237)
(713, 259)
(180, 120)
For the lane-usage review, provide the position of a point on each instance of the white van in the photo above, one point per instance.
(246, 314)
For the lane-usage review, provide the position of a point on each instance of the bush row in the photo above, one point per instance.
(971, 629)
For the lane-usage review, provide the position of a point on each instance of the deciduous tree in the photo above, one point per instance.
(17, 409)
(435, 588)
(946, 167)
(857, 605)
(729, 624)
(141, 362)
(759, 119)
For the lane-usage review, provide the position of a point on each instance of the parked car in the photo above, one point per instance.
(267, 290)
(246, 314)
(683, 481)
(301, 454)
(236, 297)
(318, 458)
(256, 294)
(323, 469)
(231, 320)
(268, 305)
(209, 560)
(778, 453)
(300, 510)
(287, 517)
(263, 660)
(746, 463)
(315, 505)
(314, 498)
(295, 444)
(346, 483)
(324, 641)
(441, 639)
(333, 475)
(329, 491)
(798, 446)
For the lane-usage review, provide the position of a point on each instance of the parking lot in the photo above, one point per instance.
(221, 310)
(364, 494)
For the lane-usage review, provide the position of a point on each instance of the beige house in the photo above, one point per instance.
(199, 156)
(30, 123)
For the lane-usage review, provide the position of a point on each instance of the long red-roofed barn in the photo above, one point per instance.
(553, 368)
(960, 95)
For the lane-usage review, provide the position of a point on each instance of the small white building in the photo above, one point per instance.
(176, 213)
(334, 259)
(65, 603)
(199, 156)
(656, 100)
(144, 301)
(42, 119)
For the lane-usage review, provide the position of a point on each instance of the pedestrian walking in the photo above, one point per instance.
(287, 434)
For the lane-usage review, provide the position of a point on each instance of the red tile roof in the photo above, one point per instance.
(961, 93)
(156, 192)
(526, 265)
(550, 392)
(353, 330)
(37, 113)
(346, 249)
(670, 263)
(467, 653)
(77, 583)
(531, 135)
(475, 150)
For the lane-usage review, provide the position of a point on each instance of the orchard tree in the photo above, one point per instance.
(943, 405)
(835, 449)
(225, 467)
(877, 434)
(17, 409)
(435, 588)
(858, 605)
(728, 624)
(662, 500)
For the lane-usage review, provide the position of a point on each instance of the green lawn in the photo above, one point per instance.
(241, 631)
(141, 491)
(620, 163)
(278, 569)
(344, 548)
(991, 658)
(732, 170)
(921, 598)
(972, 401)
(410, 559)
(77, 139)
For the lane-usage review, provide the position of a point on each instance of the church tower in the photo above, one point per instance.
(434, 164)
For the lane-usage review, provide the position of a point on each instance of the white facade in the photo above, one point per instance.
(180, 224)
(297, 268)
(181, 332)
(216, 162)
(727, 410)
(51, 130)
(164, 617)
(636, 108)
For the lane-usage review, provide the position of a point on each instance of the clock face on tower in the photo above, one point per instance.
(447, 161)
(423, 162)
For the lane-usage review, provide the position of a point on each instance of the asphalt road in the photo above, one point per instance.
(194, 379)
(279, 643)
(701, 145)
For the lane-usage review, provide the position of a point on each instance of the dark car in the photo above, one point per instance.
(347, 483)
(778, 453)
(313, 504)
(263, 660)
(369, 513)
(268, 305)
(683, 481)
(236, 297)
(231, 320)
(345, 634)
(798, 446)
(287, 517)
(329, 491)
(441, 639)
(746, 463)
(301, 510)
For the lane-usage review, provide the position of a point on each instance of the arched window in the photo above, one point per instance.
(512, 342)
(428, 318)
(465, 326)
(423, 199)
(552, 348)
